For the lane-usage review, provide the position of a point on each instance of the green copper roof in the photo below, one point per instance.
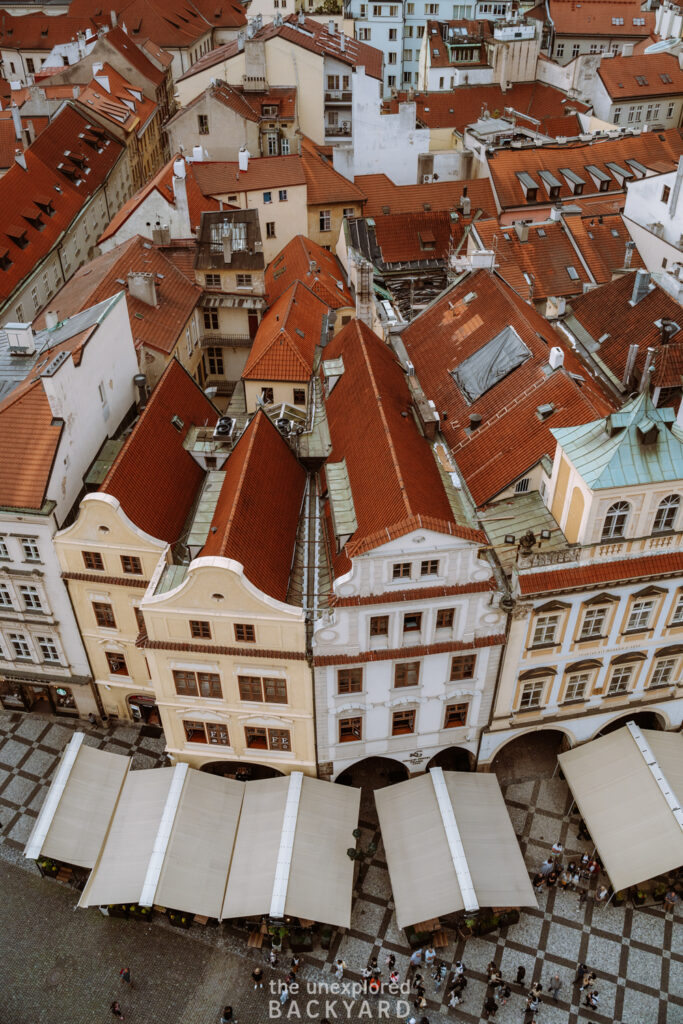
(638, 445)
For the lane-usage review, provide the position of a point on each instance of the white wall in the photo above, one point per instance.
(644, 208)
(382, 143)
(152, 209)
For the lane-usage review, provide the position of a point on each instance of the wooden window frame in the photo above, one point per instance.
(348, 686)
(245, 632)
(407, 715)
(131, 565)
(93, 561)
(345, 731)
(403, 668)
(115, 657)
(104, 612)
(200, 629)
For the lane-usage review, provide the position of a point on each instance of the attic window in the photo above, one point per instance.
(45, 204)
(541, 233)
(427, 207)
(666, 79)
(34, 219)
(427, 240)
(18, 236)
(614, 233)
(177, 423)
(436, 52)
(642, 80)
(300, 332)
(572, 273)
(5, 261)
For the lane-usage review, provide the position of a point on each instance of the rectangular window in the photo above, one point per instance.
(200, 629)
(531, 695)
(593, 624)
(407, 673)
(299, 396)
(284, 147)
(194, 732)
(272, 143)
(250, 688)
(456, 716)
(31, 598)
(211, 319)
(392, 57)
(282, 195)
(616, 115)
(444, 618)
(379, 625)
(93, 560)
(267, 197)
(364, 34)
(275, 691)
(412, 622)
(325, 220)
(576, 49)
(641, 612)
(666, 192)
(217, 734)
(670, 110)
(402, 722)
(270, 229)
(117, 663)
(185, 683)
(131, 565)
(350, 729)
(244, 280)
(401, 571)
(620, 680)
(663, 673)
(209, 684)
(245, 633)
(203, 124)
(392, 35)
(410, 8)
(140, 619)
(430, 567)
(545, 629)
(267, 395)
(30, 549)
(212, 280)
(577, 684)
(462, 666)
(5, 596)
(349, 680)
(677, 617)
(20, 645)
(104, 615)
(48, 648)
(214, 358)
(559, 50)
(391, 81)
(4, 553)
(267, 739)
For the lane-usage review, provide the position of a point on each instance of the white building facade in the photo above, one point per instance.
(654, 217)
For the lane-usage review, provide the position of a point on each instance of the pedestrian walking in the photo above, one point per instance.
(521, 973)
(504, 993)
(459, 968)
(390, 961)
(490, 1008)
(394, 977)
(601, 895)
(558, 850)
(284, 994)
(551, 879)
(339, 968)
(227, 1016)
(455, 998)
(374, 987)
(417, 982)
(366, 974)
(592, 1000)
(92, 719)
(539, 881)
(420, 1002)
(415, 959)
(536, 989)
(125, 975)
(430, 956)
(533, 1003)
(554, 986)
(272, 958)
(547, 866)
(375, 969)
(257, 977)
(116, 1010)
(671, 899)
(439, 975)
(295, 963)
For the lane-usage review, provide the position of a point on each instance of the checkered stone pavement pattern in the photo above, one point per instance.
(637, 954)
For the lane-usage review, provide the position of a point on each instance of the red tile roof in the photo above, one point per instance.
(323, 183)
(648, 148)
(162, 182)
(311, 35)
(37, 31)
(169, 23)
(607, 310)
(395, 482)
(287, 337)
(218, 177)
(512, 437)
(134, 54)
(565, 126)
(405, 237)
(596, 17)
(249, 105)
(257, 514)
(121, 104)
(602, 240)
(8, 141)
(545, 256)
(182, 254)
(44, 181)
(380, 191)
(317, 268)
(154, 479)
(581, 576)
(158, 327)
(650, 74)
(440, 109)
(29, 436)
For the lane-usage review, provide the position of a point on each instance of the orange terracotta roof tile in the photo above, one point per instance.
(406, 237)
(121, 104)
(169, 23)
(395, 482)
(317, 268)
(576, 578)
(154, 478)
(139, 56)
(29, 436)
(324, 184)
(597, 18)
(602, 240)
(218, 177)
(513, 436)
(162, 182)
(473, 32)
(257, 513)
(651, 74)
(287, 337)
(380, 192)
(37, 31)
(565, 126)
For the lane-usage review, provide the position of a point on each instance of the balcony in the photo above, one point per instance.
(232, 340)
(338, 131)
(337, 96)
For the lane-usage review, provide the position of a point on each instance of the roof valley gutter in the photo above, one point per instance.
(161, 841)
(454, 841)
(657, 773)
(284, 856)
(49, 808)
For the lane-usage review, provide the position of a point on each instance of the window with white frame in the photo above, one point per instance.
(30, 549)
(20, 645)
(545, 629)
(641, 613)
(4, 553)
(620, 680)
(48, 648)
(616, 519)
(531, 695)
(577, 684)
(664, 672)
(593, 624)
(30, 597)
(677, 617)
(666, 514)
(5, 596)
(325, 220)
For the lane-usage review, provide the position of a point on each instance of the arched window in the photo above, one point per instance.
(615, 520)
(666, 513)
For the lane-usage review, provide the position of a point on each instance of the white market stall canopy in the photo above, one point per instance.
(628, 786)
(74, 819)
(200, 843)
(450, 846)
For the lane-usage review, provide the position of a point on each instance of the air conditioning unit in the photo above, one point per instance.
(427, 179)
(224, 428)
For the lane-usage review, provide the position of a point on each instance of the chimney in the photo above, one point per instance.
(475, 420)
(342, 42)
(16, 118)
(676, 190)
(80, 36)
(51, 319)
(113, 17)
(647, 370)
(630, 246)
(180, 195)
(630, 364)
(522, 230)
(668, 329)
(243, 158)
(142, 286)
(301, 20)
(556, 357)
(240, 41)
(227, 247)
(641, 286)
(330, 27)
(20, 339)
(465, 204)
(555, 213)
(20, 158)
(627, 50)
(140, 382)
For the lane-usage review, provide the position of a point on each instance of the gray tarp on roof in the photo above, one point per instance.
(490, 364)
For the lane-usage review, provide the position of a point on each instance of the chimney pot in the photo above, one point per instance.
(641, 286)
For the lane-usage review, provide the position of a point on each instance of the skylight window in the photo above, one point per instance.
(572, 273)
(541, 233)
(485, 368)
(641, 80)
(666, 79)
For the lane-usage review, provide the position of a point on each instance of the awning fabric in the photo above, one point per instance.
(636, 829)
(422, 860)
(75, 816)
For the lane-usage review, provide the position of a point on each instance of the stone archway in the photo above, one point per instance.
(245, 770)
(373, 773)
(643, 719)
(533, 755)
(453, 759)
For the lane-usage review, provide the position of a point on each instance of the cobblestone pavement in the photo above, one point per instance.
(60, 966)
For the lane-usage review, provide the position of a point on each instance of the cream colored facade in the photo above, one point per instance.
(102, 528)
(321, 215)
(283, 392)
(225, 727)
(288, 216)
